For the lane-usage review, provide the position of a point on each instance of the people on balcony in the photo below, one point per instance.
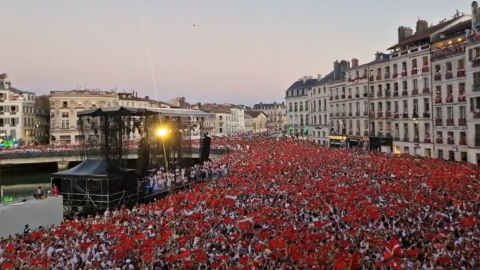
(438, 98)
(472, 35)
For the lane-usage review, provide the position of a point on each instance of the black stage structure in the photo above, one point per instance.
(107, 136)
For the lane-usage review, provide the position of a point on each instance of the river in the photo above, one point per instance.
(21, 183)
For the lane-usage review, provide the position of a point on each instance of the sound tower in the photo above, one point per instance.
(205, 151)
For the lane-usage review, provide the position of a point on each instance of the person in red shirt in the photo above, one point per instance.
(54, 191)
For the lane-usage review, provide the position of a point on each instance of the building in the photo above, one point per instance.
(64, 106)
(17, 113)
(319, 123)
(297, 98)
(249, 123)
(448, 61)
(276, 115)
(472, 67)
(230, 119)
(259, 121)
(42, 119)
(223, 124)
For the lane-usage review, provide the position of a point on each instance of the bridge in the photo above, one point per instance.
(63, 158)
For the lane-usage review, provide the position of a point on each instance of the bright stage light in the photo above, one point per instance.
(162, 132)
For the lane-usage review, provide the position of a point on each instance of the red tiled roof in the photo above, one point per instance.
(424, 35)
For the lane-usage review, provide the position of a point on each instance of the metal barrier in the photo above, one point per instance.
(91, 152)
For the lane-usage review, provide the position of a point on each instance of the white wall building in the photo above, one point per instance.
(276, 115)
(17, 112)
(297, 99)
(64, 106)
(319, 123)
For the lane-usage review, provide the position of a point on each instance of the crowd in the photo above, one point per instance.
(284, 205)
(217, 143)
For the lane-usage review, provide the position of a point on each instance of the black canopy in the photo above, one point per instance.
(90, 168)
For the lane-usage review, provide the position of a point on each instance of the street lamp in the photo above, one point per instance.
(162, 133)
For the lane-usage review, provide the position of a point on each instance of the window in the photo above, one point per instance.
(404, 66)
(415, 105)
(64, 114)
(357, 107)
(395, 69)
(426, 83)
(414, 63)
(426, 105)
(437, 68)
(405, 130)
(462, 112)
(474, 54)
(449, 66)
(349, 107)
(476, 78)
(461, 64)
(425, 61)
(357, 91)
(449, 112)
(65, 123)
(65, 104)
(405, 106)
(427, 130)
(405, 85)
(415, 84)
(395, 106)
(439, 113)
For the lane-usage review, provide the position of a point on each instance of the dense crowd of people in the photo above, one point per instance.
(284, 205)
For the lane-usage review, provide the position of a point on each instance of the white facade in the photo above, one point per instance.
(64, 106)
(17, 112)
(473, 96)
(297, 99)
(319, 124)
(276, 115)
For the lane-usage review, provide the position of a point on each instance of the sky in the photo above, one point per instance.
(236, 51)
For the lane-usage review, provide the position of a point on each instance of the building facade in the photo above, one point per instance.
(17, 113)
(297, 99)
(259, 121)
(64, 106)
(319, 124)
(276, 115)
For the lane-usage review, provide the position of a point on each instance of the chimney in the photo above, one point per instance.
(404, 32)
(422, 26)
(146, 97)
(354, 62)
(300, 79)
(305, 78)
(7, 85)
(319, 76)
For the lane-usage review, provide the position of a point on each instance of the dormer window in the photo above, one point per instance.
(65, 104)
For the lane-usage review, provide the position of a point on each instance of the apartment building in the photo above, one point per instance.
(276, 115)
(448, 60)
(17, 113)
(229, 118)
(258, 121)
(472, 88)
(64, 105)
(319, 124)
(297, 98)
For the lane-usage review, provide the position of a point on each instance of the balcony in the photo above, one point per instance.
(427, 140)
(386, 76)
(425, 68)
(476, 62)
(405, 115)
(331, 114)
(371, 95)
(404, 73)
(365, 113)
(439, 140)
(462, 142)
(438, 100)
(342, 96)
(364, 76)
(349, 96)
(344, 114)
(415, 115)
(396, 138)
(462, 122)
(462, 98)
(451, 50)
(350, 133)
(449, 74)
(414, 71)
(379, 114)
(438, 122)
(337, 97)
(389, 114)
(450, 122)
(387, 93)
(406, 139)
(426, 115)
(371, 78)
(395, 93)
(404, 93)
(476, 114)
(449, 98)
(426, 91)
(365, 95)
(365, 133)
(379, 77)
(337, 114)
(379, 93)
(461, 73)
(350, 114)
(450, 141)
(396, 115)
(357, 114)
(395, 75)
(416, 140)
(357, 95)
(371, 114)
(331, 98)
(437, 77)
(414, 92)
